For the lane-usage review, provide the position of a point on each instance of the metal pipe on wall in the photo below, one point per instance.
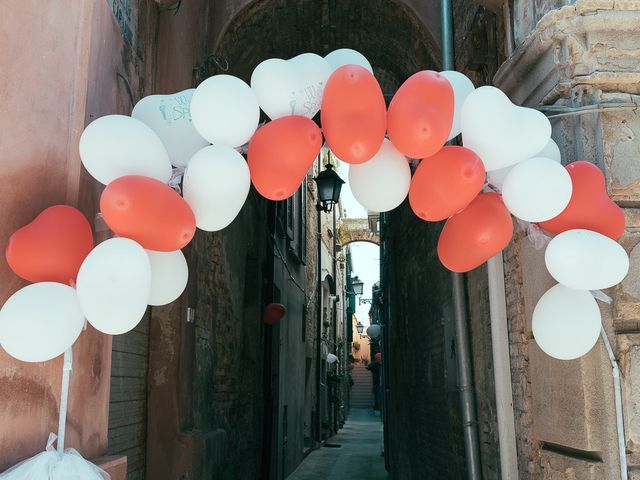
(319, 314)
(463, 351)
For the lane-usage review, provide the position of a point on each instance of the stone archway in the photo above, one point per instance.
(357, 230)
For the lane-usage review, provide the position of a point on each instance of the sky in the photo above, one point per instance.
(365, 256)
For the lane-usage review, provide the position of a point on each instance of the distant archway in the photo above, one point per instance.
(357, 230)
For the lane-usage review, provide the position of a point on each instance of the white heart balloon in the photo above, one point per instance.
(346, 56)
(537, 189)
(40, 321)
(374, 331)
(566, 322)
(116, 145)
(114, 284)
(382, 183)
(225, 110)
(462, 88)
(291, 87)
(551, 150)
(169, 276)
(216, 184)
(586, 260)
(499, 132)
(170, 117)
(331, 358)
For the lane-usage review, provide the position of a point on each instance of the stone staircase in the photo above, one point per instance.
(361, 392)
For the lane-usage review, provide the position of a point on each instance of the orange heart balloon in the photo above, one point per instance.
(590, 207)
(421, 114)
(353, 114)
(52, 247)
(446, 183)
(149, 212)
(476, 234)
(280, 155)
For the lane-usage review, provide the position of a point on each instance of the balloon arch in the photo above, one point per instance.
(177, 164)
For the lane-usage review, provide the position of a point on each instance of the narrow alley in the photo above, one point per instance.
(355, 452)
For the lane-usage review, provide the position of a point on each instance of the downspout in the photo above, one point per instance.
(502, 369)
(463, 353)
(319, 315)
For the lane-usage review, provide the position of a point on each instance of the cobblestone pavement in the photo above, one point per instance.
(359, 457)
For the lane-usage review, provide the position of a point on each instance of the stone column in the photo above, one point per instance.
(580, 55)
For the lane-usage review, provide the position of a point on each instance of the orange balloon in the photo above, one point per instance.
(446, 183)
(421, 114)
(273, 313)
(476, 234)
(52, 247)
(280, 155)
(149, 212)
(379, 357)
(353, 114)
(590, 207)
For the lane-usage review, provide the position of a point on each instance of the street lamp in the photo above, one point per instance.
(357, 285)
(329, 186)
(360, 327)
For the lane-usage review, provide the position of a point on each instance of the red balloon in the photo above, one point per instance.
(590, 207)
(353, 114)
(350, 366)
(476, 234)
(421, 114)
(280, 155)
(273, 313)
(379, 357)
(52, 247)
(149, 212)
(446, 183)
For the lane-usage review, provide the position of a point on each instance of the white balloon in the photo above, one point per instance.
(382, 183)
(170, 117)
(291, 87)
(462, 88)
(40, 321)
(537, 189)
(117, 145)
(374, 331)
(566, 322)
(331, 358)
(499, 132)
(346, 56)
(169, 276)
(225, 110)
(216, 184)
(586, 260)
(551, 150)
(114, 285)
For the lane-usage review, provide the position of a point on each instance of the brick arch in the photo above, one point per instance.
(397, 36)
(357, 230)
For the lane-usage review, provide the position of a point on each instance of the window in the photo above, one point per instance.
(292, 214)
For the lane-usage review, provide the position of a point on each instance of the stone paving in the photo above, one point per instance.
(359, 457)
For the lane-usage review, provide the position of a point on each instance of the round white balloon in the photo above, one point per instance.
(347, 56)
(225, 110)
(586, 260)
(566, 322)
(170, 117)
(537, 189)
(216, 184)
(40, 321)
(551, 150)
(116, 145)
(169, 276)
(382, 183)
(114, 284)
(374, 331)
(331, 358)
(462, 88)
(291, 87)
(499, 132)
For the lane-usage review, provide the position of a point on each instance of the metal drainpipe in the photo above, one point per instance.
(319, 316)
(463, 353)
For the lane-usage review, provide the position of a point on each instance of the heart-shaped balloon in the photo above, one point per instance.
(354, 114)
(476, 234)
(420, 115)
(170, 117)
(280, 155)
(462, 88)
(446, 183)
(346, 56)
(291, 87)
(149, 212)
(52, 247)
(501, 133)
(496, 177)
(590, 207)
